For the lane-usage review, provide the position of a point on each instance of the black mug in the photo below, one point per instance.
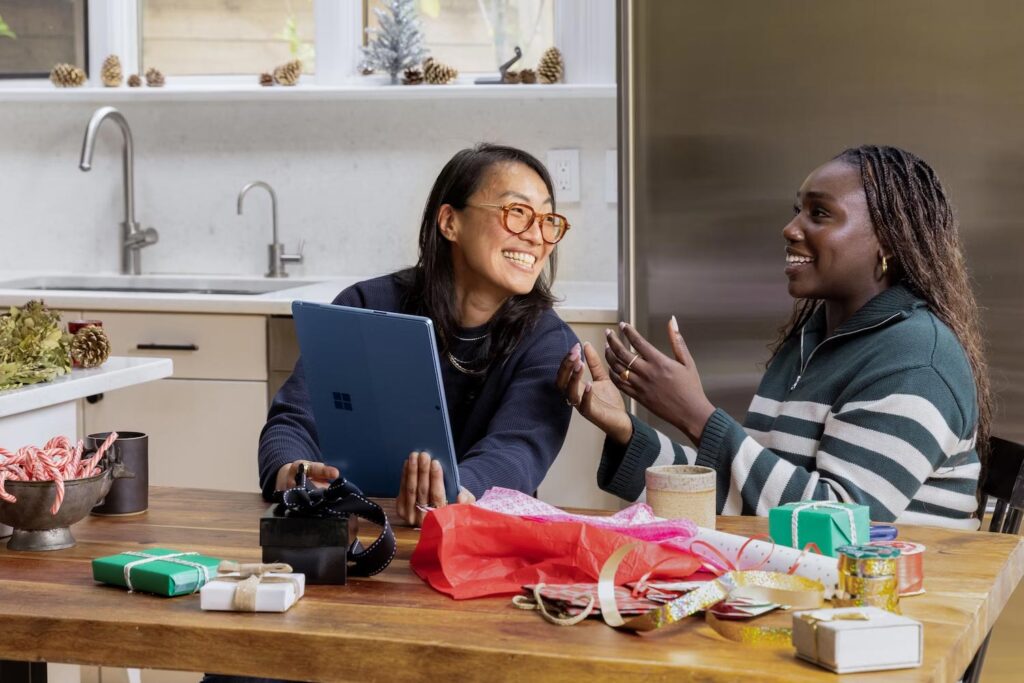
(127, 496)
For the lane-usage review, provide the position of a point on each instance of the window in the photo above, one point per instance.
(36, 34)
(478, 35)
(213, 37)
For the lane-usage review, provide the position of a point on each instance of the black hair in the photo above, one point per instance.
(429, 287)
(914, 220)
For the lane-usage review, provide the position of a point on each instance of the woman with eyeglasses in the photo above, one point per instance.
(486, 262)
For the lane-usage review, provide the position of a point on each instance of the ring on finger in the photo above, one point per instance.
(624, 375)
(632, 360)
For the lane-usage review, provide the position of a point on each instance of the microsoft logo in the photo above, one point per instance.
(342, 401)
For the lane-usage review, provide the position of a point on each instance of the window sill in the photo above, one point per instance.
(43, 91)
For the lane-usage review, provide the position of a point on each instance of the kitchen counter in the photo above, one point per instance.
(33, 414)
(116, 373)
(581, 302)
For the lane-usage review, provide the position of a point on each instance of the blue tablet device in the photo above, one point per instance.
(376, 391)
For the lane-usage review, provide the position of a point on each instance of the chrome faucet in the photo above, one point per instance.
(133, 237)
(275, 250)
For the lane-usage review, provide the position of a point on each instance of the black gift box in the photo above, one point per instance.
(314, 546)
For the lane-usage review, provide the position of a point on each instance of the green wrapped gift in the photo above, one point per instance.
(825, 523)
(156, 570)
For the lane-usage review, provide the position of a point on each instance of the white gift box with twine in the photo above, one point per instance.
(850, 639)
(252, 588)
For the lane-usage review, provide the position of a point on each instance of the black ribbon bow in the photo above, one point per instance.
(341, 499)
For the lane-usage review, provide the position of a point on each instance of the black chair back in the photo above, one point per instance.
(1004, 482)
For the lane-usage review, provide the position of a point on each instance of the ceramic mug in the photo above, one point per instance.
(127, 496)
(682, 491)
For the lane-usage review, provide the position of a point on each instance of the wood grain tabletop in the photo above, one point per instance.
(393, 627)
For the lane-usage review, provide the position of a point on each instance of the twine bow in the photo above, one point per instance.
(813, 505)
(202, 569)
(249, 577)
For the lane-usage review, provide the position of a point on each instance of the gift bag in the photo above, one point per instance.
(466, 551)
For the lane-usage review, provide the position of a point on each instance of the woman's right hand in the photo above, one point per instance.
(599, 401)
(317, 472)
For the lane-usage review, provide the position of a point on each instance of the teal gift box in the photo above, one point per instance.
(179, 573)
(824, 523)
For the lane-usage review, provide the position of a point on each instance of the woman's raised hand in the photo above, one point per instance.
(598, 401)
(422, 488)
(320, 474)
(669, 388)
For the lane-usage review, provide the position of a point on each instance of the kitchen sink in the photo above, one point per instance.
(153, 284)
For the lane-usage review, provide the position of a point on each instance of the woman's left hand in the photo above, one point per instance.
(422, 488)
(669, 388)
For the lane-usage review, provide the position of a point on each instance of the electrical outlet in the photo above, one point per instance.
(564, 166)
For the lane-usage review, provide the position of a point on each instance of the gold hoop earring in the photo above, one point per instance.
(885, 265)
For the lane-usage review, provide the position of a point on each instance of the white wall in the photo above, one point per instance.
(351, 177)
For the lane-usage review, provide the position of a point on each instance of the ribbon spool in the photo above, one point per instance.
(868, 577)
(909, 566)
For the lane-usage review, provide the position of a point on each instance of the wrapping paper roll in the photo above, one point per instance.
(766, 556)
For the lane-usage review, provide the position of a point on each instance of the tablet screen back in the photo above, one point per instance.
(376, 391)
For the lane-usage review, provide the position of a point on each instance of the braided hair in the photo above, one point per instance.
(914, 221)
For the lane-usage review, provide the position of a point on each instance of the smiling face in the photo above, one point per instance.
(488, 259)
(832, 251)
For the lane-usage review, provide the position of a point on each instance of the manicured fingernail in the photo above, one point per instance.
(674, 323)
(622, 325)
(575, 352)
(435, 465)
(587, 388)
(579, 366)
(607, 332)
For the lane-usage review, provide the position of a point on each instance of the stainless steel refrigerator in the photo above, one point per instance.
(726, 106)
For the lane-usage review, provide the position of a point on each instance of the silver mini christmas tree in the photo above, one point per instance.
(397, 44)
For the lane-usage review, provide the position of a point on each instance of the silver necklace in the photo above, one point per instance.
(462, 368)
(472, 339)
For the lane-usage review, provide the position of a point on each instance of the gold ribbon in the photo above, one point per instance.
(249, 577)
(751, 634)
(810, 618)
(760, 586)
(868, 567)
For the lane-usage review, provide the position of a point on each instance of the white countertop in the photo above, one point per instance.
(581, 302)
(117, 373)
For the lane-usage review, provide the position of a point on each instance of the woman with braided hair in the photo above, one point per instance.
(876, 391)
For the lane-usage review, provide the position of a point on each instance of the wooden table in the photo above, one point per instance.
(394, 628)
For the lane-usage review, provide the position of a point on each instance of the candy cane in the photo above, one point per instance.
(57, 461)
(3, 492)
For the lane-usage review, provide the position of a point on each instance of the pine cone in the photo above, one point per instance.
(512, 76)
(551, 67)
(154, 78)
(528, 76)
(437, 73)
(266, 79)
(288, 74)
(134, 81)
(67, 76)
(90, 347)
(413, 76)
(111, 72)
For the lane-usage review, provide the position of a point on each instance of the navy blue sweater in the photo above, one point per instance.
(511, 424)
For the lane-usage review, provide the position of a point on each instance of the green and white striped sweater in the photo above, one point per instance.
(884, 413)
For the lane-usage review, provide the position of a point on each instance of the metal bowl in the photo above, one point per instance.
(34, 527)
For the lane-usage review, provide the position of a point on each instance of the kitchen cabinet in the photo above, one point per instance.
(217, 396)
